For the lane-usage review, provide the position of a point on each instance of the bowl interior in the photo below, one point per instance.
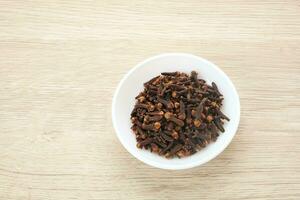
(132, 84)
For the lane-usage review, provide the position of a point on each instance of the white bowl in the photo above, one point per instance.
(132, 84)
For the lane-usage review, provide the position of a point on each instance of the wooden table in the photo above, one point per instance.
(61, 61)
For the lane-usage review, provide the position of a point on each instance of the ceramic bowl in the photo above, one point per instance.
(132, 84)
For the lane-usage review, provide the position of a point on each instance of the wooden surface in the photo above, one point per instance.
(61, 61)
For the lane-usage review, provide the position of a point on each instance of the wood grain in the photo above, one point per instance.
(61, 61)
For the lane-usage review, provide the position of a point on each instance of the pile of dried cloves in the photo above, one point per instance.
(177, 114)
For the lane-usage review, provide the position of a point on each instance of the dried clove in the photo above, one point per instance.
(182, 115)
(170, 117)
(177, 115)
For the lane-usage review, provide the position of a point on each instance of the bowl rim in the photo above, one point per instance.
(188, 165)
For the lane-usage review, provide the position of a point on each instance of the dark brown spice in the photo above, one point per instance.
(166, 137)
(177, 115)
